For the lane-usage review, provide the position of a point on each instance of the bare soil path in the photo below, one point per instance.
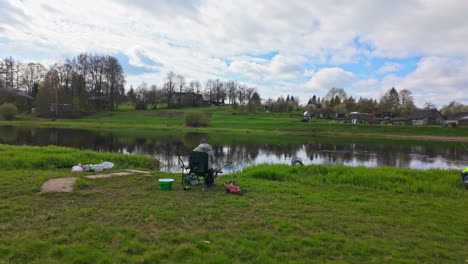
(66, 184)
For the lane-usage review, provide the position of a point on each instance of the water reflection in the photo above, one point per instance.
(244, 153)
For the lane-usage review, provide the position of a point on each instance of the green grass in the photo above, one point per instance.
(15, 157)
(312, 214)
(224, 119)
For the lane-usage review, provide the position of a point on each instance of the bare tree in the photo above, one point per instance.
(218, 87)
(81, 65)
(153, 96)
(52, 83)
(195, 88)
(97, 65)
(429, 105)
(180, 86)
(209, 89)
(33, 74)
(241, 94)
(248, 93)
(9, 67)
(231, 90)
(407, 102)
(334, 92)
(115, 79)
(169, 87)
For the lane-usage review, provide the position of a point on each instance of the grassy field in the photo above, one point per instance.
(227, 120)
(312, 214)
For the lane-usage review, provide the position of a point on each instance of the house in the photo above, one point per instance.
(63, 110)
(427, 117)
(360, 118)
(340, 116)
(405, 122)
(459, 119)
(386, 115)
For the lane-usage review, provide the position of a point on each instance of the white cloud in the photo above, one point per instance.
(435, 79)
(210, 38)
(327, 78)
(390, 67)
(279, 68)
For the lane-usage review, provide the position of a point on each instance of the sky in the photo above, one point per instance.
(299, 48)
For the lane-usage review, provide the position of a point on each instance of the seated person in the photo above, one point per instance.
(205, 147)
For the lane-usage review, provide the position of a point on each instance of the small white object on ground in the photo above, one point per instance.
(107, 165)
(77, 169)
(98, 168)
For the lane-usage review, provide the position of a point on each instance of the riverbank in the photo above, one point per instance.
(288, 214)
(224, 120)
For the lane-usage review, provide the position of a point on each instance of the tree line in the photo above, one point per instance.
(92, 82)
(336, 101)
(176, 91)
(85, 82)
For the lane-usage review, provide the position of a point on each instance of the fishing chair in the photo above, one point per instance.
(198, 171)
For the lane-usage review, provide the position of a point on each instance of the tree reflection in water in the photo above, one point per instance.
(246, 152)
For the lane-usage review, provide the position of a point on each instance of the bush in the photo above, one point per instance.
(196, 118)
(8, 111)
(252, 108)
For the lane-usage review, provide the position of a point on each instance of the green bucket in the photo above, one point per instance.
(165, 184)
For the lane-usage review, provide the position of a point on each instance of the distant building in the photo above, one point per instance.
(340, 116)
(459, 119)
(386, 115)
(403, 122)
(427, 117)
(62, 110)
(360, 118)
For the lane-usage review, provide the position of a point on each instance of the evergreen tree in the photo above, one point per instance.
(314, 100)
(337, 100)
(287, 98)
(131, 95)
(394, 97)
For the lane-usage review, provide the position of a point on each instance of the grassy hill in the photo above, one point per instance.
(224, 119)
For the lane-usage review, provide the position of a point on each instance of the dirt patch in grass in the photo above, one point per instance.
(58, 185)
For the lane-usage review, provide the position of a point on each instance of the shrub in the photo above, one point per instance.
(8, 111)
(196, 118)
(252, 108)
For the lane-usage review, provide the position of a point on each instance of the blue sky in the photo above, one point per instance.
(302, 48)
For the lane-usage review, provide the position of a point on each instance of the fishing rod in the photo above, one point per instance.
(465, 147)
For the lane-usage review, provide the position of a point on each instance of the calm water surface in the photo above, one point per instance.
(246, 150)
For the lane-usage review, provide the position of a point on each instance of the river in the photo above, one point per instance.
(247, 150)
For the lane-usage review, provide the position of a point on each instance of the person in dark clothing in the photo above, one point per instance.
(205, 147)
